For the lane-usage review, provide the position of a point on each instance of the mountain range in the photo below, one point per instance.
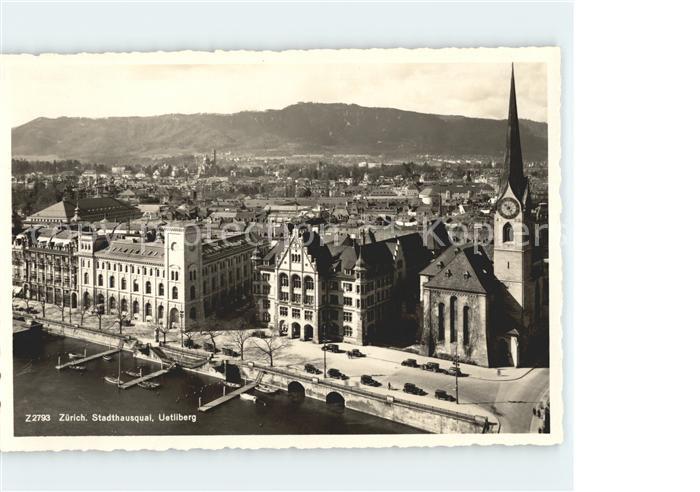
(302, 128)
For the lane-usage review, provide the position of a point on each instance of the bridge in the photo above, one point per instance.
(426, 417)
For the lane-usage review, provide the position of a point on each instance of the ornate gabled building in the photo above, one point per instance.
(349, 289)
(487, 312)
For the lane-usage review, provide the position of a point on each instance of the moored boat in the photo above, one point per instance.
(249, 397)
(263, 388)
(133, 374)
(73, 355)
(148, 385)
(113, 380)
(107, 358)
(77, 368)
(231, 384)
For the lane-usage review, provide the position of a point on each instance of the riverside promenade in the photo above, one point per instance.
(505, 396)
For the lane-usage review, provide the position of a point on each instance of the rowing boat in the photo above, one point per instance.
(148, 385)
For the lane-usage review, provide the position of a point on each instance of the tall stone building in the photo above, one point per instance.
(481, 311)
(179, 279)
(349, 289)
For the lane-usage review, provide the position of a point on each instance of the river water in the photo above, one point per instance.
(42, 394)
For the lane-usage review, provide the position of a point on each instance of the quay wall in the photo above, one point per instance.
(424, 417)
(112, 340)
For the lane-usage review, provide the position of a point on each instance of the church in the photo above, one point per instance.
(490, 310)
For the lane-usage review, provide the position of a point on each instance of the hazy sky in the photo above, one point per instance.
(100, 90)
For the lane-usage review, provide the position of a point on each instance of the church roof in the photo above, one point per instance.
(466, 268)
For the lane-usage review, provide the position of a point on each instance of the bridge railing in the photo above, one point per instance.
(474, 419)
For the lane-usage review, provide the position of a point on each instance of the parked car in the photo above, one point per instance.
(431, 366)
(355, 353)
(32, 310)
(336, 374)
(444, 395)
(331, 347)
(310, 368)
(413, 389)
(456, 371)
(369, 380)
(410, 363)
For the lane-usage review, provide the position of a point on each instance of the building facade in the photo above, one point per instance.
(178, 280)
(347, 290)
(45, 265)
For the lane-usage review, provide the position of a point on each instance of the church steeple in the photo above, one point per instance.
(513, 162)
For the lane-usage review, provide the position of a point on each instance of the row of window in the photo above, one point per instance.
(296, 313)
(296, 281)
(135, 286)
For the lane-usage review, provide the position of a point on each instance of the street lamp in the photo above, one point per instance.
(456, 363)
(182, 329)
(324, 348)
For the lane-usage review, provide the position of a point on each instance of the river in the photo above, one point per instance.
(43, 394)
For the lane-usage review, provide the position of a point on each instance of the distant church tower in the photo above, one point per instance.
(514, 231)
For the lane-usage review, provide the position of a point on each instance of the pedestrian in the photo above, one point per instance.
(389, 385)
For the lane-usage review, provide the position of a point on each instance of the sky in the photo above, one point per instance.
(122, 89)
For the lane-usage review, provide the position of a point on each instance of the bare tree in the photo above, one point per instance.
(271, 346)
(239, 339)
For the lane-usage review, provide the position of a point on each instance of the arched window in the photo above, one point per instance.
(308, 283)
(453, 319)
(123, 284)
(111, 281)
(441, 322)
(86, 278)
(465, 324)
(160, 312)
(347, 331)
(193, 292)
(174, 296)
(135, 309)
(296, 282)
(100, 280)
(508, 233)
(161, 290)
(284, 280)
(149, 309)
(148, 287)
(136, 286)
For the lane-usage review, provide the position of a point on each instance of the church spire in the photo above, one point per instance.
(513, 163)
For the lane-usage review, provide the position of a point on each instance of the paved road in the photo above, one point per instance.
(507, 397)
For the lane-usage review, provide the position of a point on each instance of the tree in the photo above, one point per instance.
(271, 346)
(239, 339)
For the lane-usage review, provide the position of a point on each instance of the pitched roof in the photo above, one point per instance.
(467, 268)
